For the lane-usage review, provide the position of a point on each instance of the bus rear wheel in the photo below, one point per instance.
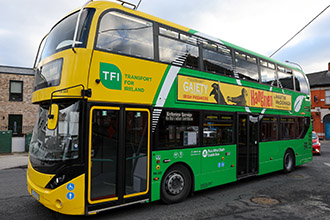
(288, 161)
(176, 184)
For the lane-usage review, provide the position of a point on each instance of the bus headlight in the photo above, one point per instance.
(57, 181)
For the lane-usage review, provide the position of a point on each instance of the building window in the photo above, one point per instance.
(327, 97)
(16, 91)
(15, 124)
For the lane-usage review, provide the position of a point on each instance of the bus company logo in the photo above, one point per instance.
(298, 103)
(110, 76)
(204, 153)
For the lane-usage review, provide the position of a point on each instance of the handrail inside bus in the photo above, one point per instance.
(77, 25)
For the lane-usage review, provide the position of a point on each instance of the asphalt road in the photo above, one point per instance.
(302, 194)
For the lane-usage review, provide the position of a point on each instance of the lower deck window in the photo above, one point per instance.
(178, 129)
(287, 128)
(269, 129)
(217, 129)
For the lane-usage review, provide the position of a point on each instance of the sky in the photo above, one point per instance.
(261, 26)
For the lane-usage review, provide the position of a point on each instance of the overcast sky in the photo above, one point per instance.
(258, 25)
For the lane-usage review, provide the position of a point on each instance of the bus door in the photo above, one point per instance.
(247, 145)
(119, 152)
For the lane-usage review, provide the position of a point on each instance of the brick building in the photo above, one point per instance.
(16, 111)
(320, 95)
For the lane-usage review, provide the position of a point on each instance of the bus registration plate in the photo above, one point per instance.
(35, 195)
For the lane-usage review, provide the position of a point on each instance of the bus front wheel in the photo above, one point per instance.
(176, 184)
(288, 161)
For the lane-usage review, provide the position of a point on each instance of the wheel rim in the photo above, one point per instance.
(288, 161)
(174, 183)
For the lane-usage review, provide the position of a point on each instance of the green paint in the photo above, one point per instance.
(110, 76)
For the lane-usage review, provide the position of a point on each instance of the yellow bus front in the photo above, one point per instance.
(56, 170)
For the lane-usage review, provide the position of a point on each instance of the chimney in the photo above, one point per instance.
(329, 66)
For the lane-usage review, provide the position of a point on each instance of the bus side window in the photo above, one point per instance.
(268, 73)
(246, 67)
(269, 129)
(217, 129)
(121, 33)
(217, 59)
(287, 127)
(302, 126)
(178, 53)
(285, 78)
(301, 83)
(178, 129)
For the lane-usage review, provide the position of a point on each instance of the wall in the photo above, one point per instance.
(24, 107)
(319, 109)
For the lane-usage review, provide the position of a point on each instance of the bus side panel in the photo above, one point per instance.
(210, 166)
(162, 160)
(271, 154)
(270, 157)
(119, 79)
(218, 166)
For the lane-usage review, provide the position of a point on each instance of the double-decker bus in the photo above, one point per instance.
(134, 109)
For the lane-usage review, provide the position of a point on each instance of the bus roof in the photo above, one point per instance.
(103, 5)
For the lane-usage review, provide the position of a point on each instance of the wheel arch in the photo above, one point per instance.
(293, 153)
(180, 163)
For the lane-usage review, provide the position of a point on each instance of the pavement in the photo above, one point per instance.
(13, 160)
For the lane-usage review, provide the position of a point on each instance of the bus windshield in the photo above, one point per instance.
(61, 36)
(60, 144)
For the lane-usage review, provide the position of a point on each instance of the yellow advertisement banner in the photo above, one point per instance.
(209, 91)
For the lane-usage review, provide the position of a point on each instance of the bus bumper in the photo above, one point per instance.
(67, 199)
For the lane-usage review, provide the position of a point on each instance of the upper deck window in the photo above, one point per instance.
(178, 48)
(61, 36)
(125, 34)
(301, 83)
(285, 78)
(217, 59)
(246, 67)
(268, 73)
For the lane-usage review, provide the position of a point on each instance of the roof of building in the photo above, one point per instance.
(16, 70)
(317, 79)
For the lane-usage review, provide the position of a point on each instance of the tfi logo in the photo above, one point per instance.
(110, 76)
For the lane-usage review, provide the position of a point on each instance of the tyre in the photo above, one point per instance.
(176, 184)
(288, 161)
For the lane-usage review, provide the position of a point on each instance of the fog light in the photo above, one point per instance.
(58, 203)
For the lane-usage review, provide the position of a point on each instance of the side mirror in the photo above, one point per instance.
(52, 117)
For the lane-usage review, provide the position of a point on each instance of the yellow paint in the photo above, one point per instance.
(74, 72)
(105, 5)
(140, 79)
(39, 179)
(52, 122)
(77, 70)
(56, 199)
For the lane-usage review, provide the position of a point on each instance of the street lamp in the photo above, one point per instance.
(295, 64)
